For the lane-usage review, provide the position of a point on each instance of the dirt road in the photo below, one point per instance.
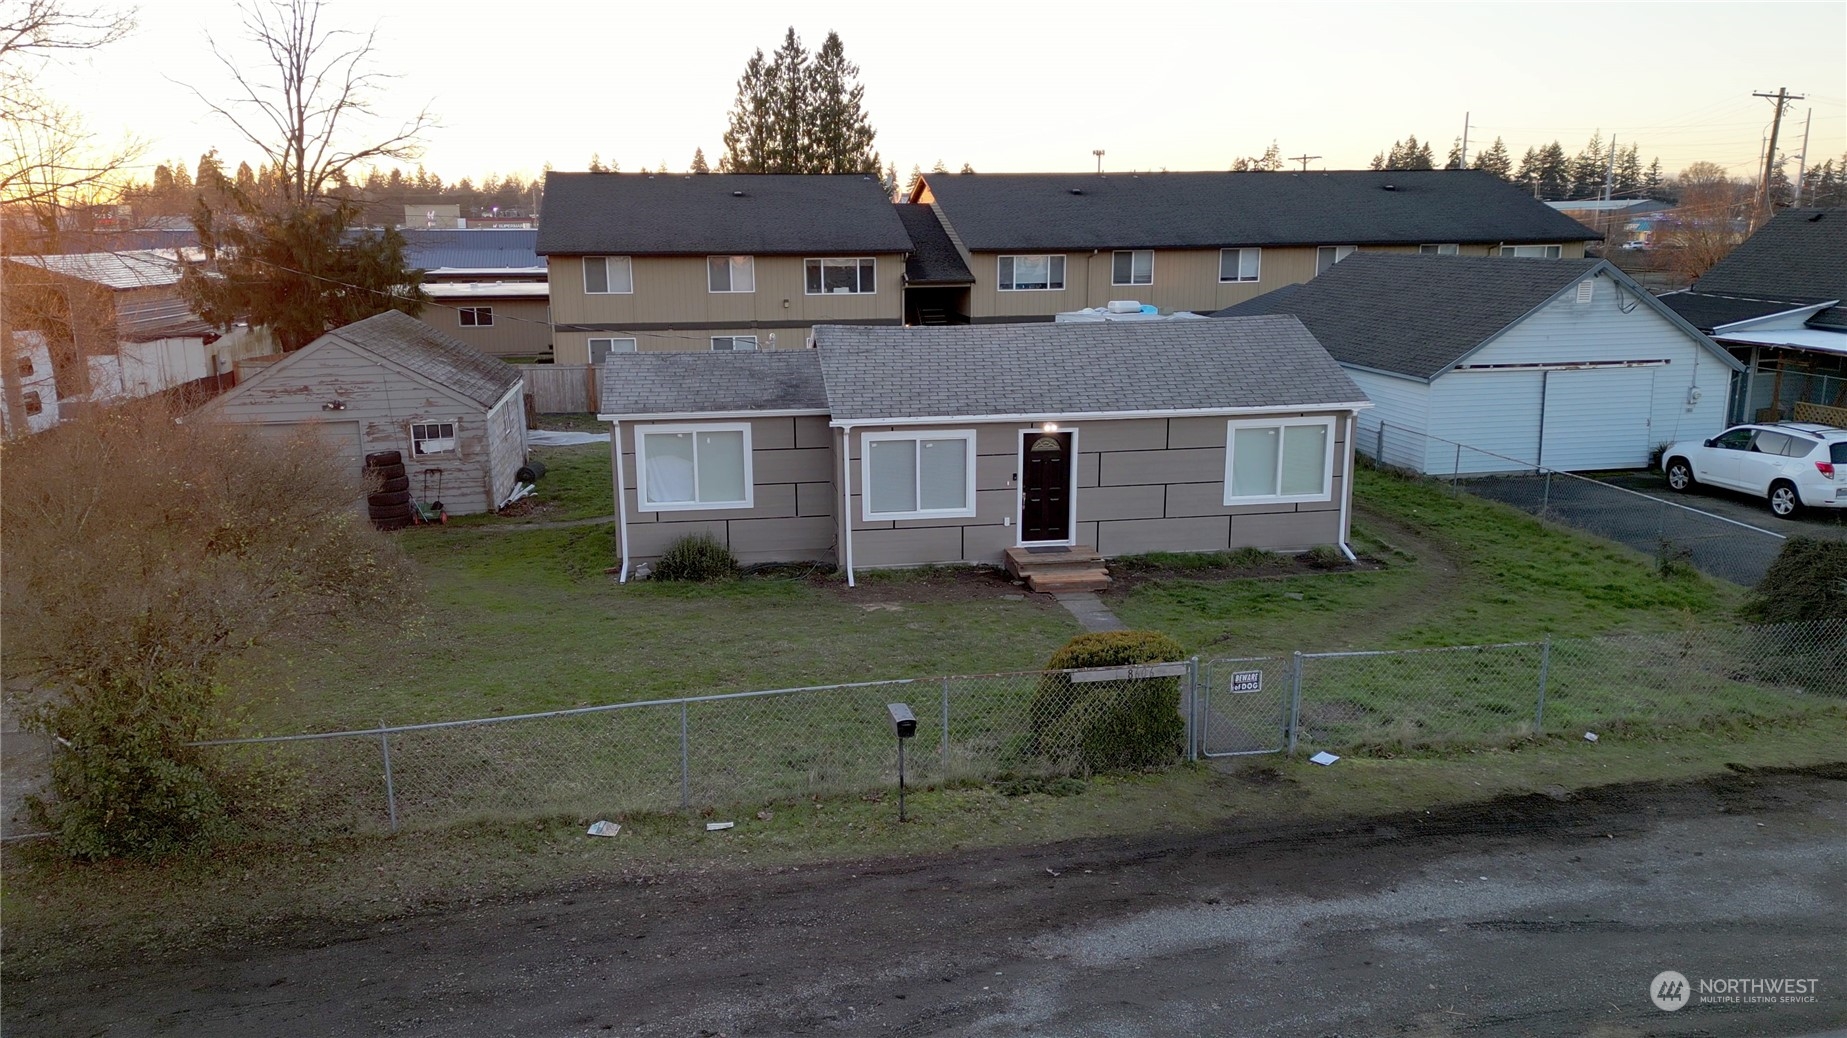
(1533, 916)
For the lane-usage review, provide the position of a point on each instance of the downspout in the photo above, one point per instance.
(615, 449)
(846, 501)
(1346, 499)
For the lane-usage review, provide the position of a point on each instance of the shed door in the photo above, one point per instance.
(1597, 418)
(342, 438)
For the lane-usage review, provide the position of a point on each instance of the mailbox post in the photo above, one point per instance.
(904, 726)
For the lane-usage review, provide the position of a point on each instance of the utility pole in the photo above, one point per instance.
(1098, 152)
(1303, 159)
(1465, 141)
(1781, 99)
(1609, 175)
(1802, 164)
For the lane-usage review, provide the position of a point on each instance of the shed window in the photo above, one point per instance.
(1279, 461)
(608, 275)
(919, 475)
(428, 438)
(685, 467)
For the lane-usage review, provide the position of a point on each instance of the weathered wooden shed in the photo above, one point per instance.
(391, 382)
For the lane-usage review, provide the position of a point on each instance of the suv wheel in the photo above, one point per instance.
(1679, 475)
(1783, 499)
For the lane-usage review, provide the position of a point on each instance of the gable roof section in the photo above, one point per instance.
(416, 347)
(1800, 255)
(877, 374)
(1709, 310)
(1418, 316)
(136, 268)
(1002, 212)
(934, 259)
(661, 384)
(717, 214)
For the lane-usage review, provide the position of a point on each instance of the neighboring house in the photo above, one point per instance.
(1526, 364)
(1038, 244)
(472, 254)
(1631, 219)
(908, 446)
(433, 217)
(30, 404)
(645, 262)
(501, 318)
(391, 382)
(1775, 302)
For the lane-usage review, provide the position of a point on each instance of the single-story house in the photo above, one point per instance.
(391, 382)
(886, 447)
(1775, 302)
(1480, 365)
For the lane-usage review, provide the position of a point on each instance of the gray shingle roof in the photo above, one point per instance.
(138, 268)
(711, 383)
(476, 248)
(1416, 315)
(998, 212)
(933, 259)
(1709, 310)
(717, 213)
(1801, 254)
(409, 343)
(879, 373)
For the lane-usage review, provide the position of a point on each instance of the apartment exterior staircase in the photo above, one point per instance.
(1051, 570)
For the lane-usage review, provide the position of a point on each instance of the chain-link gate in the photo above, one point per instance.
(1245, 707)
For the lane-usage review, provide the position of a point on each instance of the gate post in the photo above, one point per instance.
(391, 793)
(686, 776)
(1295, 701)
(1545, 666)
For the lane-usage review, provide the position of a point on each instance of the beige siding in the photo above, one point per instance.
(521, 328)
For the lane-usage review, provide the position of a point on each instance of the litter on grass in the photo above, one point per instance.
(603, 829)
(1324, 758)
(712, 827)
(1590, 736)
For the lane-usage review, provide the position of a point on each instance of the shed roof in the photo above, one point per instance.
(934, 259)
(410, 344)
(134, 268)
(717, 213)
(1418, 315)
(876, 373)
(1709, 310)
(997, 212)
(641, 384)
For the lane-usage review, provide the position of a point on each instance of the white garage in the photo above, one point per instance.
(1482, 365)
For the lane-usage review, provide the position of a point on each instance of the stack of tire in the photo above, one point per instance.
(389, 505)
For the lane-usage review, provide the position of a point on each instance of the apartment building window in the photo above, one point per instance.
(428, 438)
(1328, 255)
(1439, 250)
(1132, 267)
(1532, 251)
(477, 316)
(828, 277)
(600, 349)
(685, 467)
(919, 476)
(1240, 264)
(1277, 461)
(734, 343)
(1031, 274)
(608, 275)
(731, 273)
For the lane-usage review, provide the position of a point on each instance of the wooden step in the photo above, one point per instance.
(1095, 579)
(1022, 562)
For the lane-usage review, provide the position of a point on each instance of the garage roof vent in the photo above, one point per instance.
(1586, 290)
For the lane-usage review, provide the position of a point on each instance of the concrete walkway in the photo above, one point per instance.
(1090, 611)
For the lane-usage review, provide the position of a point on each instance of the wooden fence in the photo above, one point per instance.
(561, 388)
(1835, 416)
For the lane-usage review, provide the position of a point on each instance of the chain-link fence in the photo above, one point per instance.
(1673, 533)
(776, 745)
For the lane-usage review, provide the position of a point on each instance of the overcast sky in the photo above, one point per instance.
(1036, 87)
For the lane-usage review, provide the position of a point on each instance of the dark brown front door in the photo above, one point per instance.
(1045, 487)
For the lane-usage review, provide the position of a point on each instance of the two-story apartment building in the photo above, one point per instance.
(1038, 244)
(645, 262)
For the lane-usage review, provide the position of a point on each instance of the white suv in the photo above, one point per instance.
(1792, 465)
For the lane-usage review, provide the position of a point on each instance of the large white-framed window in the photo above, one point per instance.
(1031, 273)
(1532, 251)
(1132, 267)
(1328, 255)
(1439, 250)
(1279, 460)
(601, 348)
(690, 467)
(428, 439)
(1240, 264)
(734, 343)
(849, 276)
(731, 273)
(918, 474)
(608, 275)
(476, 316)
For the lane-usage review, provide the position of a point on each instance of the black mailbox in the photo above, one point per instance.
(903, 722)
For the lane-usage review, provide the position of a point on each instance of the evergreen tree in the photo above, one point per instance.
(940, 167)
(246, 180)
(889, 180)
(966, 168)
(699, 165)
(1496, 160)
(753, 114)
(797, 115)
(841, 137)
(1628, 182)
(1588, 168)
(1454, 161)
(789, 89)
(1652, 183)
(910, 183)
(1405, 154)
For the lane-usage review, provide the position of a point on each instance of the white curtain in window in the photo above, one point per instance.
(1254, 453)
(1305, 457)
(1031, 271)
(942, 474)
(669, 467)
(893, 482)
(721, 466)
(1248, 260)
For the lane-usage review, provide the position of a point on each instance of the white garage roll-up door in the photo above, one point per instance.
(342, 438)
(1597, 418)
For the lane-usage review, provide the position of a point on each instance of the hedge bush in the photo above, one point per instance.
(1808, 581)
(1124, 725)
(696, 557)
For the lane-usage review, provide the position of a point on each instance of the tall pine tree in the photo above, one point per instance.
(1496, 160)
(797, 114)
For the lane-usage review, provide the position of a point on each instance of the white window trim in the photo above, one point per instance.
(455, 435)
(733, 279)
(1341, 252)
(642, 504)
(1546, 251)
(856, 261)
(1240, 279)
(609, 291)
(1440, 249)
(590, 344)
(1327, 463)
(1131, 283)
(756, 343)
(1048, 271)
(478, 312)
(865, 475)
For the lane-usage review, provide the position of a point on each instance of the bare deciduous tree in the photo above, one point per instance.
(300, 104)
